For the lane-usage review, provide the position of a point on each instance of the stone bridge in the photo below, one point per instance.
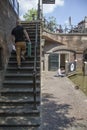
(69, 47)
(73, 41)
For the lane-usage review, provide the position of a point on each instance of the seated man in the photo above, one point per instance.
(61, 72)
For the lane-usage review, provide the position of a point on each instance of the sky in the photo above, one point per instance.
(61, 10)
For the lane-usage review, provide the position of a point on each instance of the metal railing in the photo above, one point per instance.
(35, 70)
(15, 5)
(63, 28)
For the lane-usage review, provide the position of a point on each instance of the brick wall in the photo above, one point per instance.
(7, 22)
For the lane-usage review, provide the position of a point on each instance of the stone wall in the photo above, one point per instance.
(7, 22)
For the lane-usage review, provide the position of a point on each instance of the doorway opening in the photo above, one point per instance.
(62, 61)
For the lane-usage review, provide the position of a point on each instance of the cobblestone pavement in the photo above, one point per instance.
(63, 106)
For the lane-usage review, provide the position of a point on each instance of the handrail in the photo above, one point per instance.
(15, 5)
(34, 70)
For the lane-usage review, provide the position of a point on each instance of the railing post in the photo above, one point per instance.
(34, 88)
(38, 9)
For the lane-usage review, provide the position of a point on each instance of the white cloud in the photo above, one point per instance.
(25, 5)
(49, 8)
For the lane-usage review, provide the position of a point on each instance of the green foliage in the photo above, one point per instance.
(52, 23)
(30, 15)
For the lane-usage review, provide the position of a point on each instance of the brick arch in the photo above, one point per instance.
(62, 48)
(65, 50)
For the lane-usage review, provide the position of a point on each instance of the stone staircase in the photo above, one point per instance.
(18, 108)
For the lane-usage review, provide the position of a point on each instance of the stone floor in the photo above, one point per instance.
(63, 106)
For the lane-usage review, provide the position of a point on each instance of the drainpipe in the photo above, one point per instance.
(59, 60)
(66, 67)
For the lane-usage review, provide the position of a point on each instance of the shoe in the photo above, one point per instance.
(19, 67)
(22, 57)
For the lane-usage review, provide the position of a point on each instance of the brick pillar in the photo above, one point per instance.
(46, 62)
(85, 68)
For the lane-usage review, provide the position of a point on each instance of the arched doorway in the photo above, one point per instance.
(61, 58)
(84, 67)
(56, 61)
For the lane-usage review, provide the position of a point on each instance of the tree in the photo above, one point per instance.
(30, 15)
(52, 24)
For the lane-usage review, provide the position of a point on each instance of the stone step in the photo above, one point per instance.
(19, 94)
(25, 78)
(13, 58)
(22, 69)
(32, 29)
(33, 36)
(30, 105)
(33, 43)
(18, 111)
(32, 52)
(30, 23)
(20, 84)
(31, 26)
(20, 121)
(32, 32)
(26, 55)
(18, 90)
(25, 106)
(23, 63)
(19, 81)
(32, 39)
(18, 101)
(22, 76)
(20, 128)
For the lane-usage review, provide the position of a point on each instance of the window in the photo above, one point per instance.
(53, 62)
